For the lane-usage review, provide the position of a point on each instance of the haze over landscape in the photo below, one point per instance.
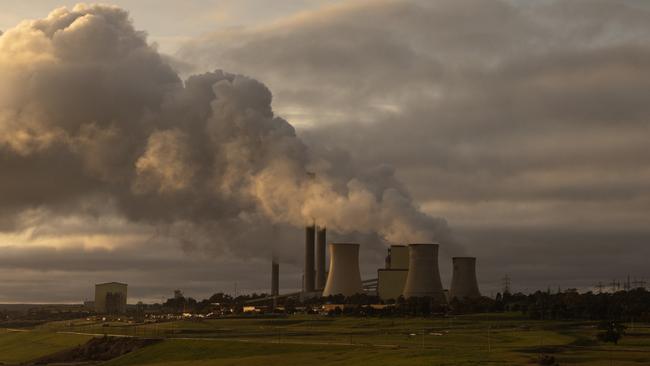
(512, 131)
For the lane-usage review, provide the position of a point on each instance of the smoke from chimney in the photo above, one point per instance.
(205, 161)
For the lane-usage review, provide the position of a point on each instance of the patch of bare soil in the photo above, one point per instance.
(96, 349)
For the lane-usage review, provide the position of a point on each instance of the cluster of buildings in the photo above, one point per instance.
(410, 271)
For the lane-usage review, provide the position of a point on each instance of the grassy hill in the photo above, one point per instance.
(24, 345)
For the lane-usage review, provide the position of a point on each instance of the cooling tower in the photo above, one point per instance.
(399, 257)
(463, 280)
(308, 275)
(321, 240)
(423, 277)
(344, 276)
(275, 278)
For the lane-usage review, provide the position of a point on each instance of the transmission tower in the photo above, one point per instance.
(627, 286)
(506, 284)
(599, 287)
(616, 285)
(638, 283)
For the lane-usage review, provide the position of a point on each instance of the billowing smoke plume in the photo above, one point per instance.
(90, 114)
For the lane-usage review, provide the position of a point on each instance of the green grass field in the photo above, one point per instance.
(21, 346)
(486, 339)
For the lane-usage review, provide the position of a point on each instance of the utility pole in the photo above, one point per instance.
(541, 346)
(422, 340)
(489, 340)
(599, 287)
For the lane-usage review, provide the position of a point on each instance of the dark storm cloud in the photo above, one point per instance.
(207, 150)
(523, 123)
(96, 124)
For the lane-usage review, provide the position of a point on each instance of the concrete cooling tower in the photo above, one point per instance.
(344, 276)
(463, 281)
(423, 277)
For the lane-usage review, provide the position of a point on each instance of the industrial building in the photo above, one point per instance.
(423, 279)
(409, 271)
(321, 243)
(314, 274)
(275, 278)
(463, 282)
(309, 272)
(391, 280)
(110, 298)
(344, 277)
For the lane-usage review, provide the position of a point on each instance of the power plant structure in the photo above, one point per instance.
(308, 284)
(275, 281)
(423, 279)
(275, 278)
(410, 271)
(463, 282)
(314, 274)
(110, 298)
(344, 277)
(321, 244)
(391, 280)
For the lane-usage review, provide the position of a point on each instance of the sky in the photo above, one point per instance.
(513, 131)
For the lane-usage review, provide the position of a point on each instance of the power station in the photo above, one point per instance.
(463, 282)
(321, 243)
(423, 279)
(344, 277)
(410, 271)
(110, 298)
(308, 284)
(391, 279)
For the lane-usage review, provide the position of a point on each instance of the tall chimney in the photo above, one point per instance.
(321, 240)
(308, 275)
(423, 278)
(463, 280)
(275, 278)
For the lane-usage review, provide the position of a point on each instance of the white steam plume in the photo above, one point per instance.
(88, 109)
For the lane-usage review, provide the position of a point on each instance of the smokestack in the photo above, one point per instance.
(344, 276)
(321, 240)
(423, 277)
(463, 281)
(275, 278)
(308, 275)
